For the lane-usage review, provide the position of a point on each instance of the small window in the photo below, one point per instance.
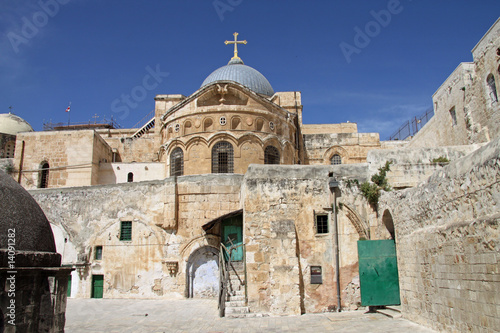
(177, 162)
(177, 127)
(130, 177)
(322, 224)
(492, 88)
(336, 159)
(271, 125)
(271, 155)
(98, 253)
(453, 115)
(222, 121)
(44, 175)
(126, 231)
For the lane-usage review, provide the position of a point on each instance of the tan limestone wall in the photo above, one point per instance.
(441, 129)
(485, 112)
(280, 203)
(329, 128)
(70, 155)
(167, 218)
(447, 239)
(411, 166)
(226, 112)
(352, 147)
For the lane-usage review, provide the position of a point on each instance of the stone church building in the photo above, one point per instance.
(149, 212)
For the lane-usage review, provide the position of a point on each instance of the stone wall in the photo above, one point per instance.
(443, 129)
(167, 218)
(7, 145)
(115, 173)
(280, 205)
(412, 166)
(6, 164)
(73, 157)
(448, 238)
(467, 95)
(352, 147)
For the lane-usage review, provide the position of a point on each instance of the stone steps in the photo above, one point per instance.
(393, 311)
(236, 302)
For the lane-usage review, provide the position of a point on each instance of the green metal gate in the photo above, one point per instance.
(378, 272)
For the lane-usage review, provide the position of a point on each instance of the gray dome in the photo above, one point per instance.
(22, 213)
(244, 75)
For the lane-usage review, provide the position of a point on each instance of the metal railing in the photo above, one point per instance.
(406, 130)
(225, 264)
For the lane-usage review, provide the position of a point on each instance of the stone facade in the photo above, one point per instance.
(144, 209)
(447, 237)
(466, 106)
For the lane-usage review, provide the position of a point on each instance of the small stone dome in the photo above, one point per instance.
(236, 71)
(12, 124)
(21, 212)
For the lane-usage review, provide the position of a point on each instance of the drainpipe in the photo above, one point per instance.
(21, 163)
(334, 186)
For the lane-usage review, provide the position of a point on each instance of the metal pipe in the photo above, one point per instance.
(334, 186)
(337, 255)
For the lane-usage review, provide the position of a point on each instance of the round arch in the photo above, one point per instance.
(388, 222)
(202, 273)
(335, 150)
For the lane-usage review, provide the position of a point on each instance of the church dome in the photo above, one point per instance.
(22, 213)
(245, 75)
(12, 124)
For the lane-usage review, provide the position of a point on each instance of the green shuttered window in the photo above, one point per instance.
(126, 231)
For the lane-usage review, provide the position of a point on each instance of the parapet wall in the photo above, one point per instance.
(414, 165)
(448, 240)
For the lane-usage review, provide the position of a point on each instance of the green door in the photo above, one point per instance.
(97, 286)
(69, 286)
(232, 235)
(378, 272)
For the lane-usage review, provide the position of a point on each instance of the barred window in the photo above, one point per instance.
(271, 155)
(126, 231)
(222, 158)
(336, 159)
(43, 175)
(321, 224)
(177, 162)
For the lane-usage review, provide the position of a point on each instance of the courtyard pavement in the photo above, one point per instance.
(200, 315)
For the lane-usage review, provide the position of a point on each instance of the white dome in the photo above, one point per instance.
(12, 124)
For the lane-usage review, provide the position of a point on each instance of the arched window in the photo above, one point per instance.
(336, 159)
(177, 162)
(271, 155)
(222, 158)
(492, 88)
(130, 177)
(43, 175)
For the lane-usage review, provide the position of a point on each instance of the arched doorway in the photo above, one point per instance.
(203, 273)
(388, 223)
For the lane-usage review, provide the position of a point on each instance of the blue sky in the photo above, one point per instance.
(95, 52)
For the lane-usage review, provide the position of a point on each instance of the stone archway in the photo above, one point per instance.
(388, 223)
(202, 273)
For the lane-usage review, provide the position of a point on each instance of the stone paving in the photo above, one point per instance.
(200, 315)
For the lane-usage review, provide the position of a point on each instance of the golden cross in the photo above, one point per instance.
(235, 42)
